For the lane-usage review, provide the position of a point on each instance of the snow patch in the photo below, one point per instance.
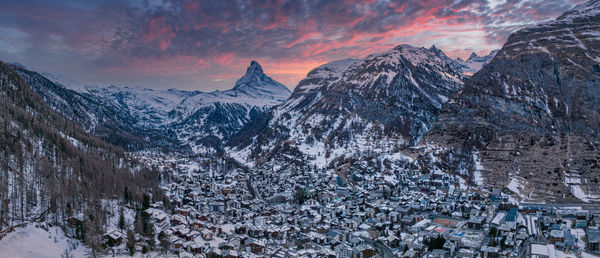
(40, 241)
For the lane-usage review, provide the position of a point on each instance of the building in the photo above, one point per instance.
(593, 240)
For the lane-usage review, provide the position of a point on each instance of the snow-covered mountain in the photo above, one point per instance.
(171, 118)
(386, 100)
(529, 120)
(475, 62)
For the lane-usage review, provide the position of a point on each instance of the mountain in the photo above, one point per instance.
(206, 120)
(529, 120)
(139, 118)
(52, 170)
(475, 62)
(95, 115)
(387, 100)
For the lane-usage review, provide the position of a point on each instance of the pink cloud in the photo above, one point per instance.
(159, 30)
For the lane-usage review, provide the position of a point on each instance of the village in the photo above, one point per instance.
(291, 213)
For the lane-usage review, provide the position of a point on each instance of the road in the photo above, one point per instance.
(586, 206)
(250, 187)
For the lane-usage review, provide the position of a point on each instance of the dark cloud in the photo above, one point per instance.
(206, 44)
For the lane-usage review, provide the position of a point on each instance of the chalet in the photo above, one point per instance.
(363, 251)
(114, 238)
(254, 246)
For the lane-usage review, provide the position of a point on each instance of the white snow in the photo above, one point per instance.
(477, 178)
(579, 193)
(35, 241)
(514, 185)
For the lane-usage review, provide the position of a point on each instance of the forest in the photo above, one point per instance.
(52, 170)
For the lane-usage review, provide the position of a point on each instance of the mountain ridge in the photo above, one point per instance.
(536, 100)
(392, 95)
(142, 118)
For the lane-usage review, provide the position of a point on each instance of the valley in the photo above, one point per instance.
(401, 153)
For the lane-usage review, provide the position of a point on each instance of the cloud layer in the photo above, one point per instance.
(206, 44)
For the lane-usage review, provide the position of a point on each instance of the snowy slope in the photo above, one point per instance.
(38, 240)
(149, 107)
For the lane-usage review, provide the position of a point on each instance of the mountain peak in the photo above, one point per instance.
(473, 56)
(254, 68)
(435, 49)
(255, 82)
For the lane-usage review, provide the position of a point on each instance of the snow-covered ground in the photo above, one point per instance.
(39, 241)
(477, 177)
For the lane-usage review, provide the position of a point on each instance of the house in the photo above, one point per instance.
(593, 240)
(394, 216)
(343, 250)
(114, 238)
(254, 246)
(178, 219)
(476, 222)
(229, 254)
(556, 235)
(489, 252)
(450, 247)
(207, 234)
(392, 241)
(408, 220)
(196, 248)
(363, 251)
(465, 252)
(411, 254)
(438, 253)
(542, 251)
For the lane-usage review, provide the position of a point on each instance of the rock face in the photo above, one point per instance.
(386, 100)
(139, 118)
(530, 119)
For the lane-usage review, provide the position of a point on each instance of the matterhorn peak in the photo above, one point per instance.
(254, 68)
(255, 82)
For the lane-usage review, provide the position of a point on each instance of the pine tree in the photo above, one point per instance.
(130, 243)
(126, 195)
(146, 202)
(121, 220)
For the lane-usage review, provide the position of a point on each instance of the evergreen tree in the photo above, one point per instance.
(436, 243)
(146, 202)
(69, 210)
(121, 220)
(130, 243)
(126, 195)
(164, 242)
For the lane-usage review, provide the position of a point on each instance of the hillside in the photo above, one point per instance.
(52, 170)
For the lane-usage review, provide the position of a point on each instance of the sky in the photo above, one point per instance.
(207, 45)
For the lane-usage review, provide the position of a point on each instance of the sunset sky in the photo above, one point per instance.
(206, 45)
